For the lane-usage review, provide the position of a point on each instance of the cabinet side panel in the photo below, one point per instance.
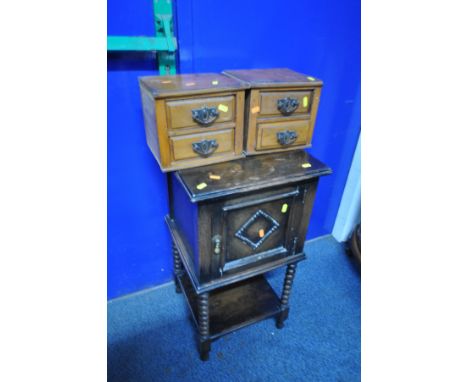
(246, 119)
(254, 106)
(313, 114)
(149, 115)
(208, 220)
(240, 126)
(161, 118)
(308, 198)
(185, 215)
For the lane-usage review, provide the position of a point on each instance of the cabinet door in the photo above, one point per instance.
(257, 228)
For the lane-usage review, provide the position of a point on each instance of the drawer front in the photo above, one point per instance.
(280, 135)
(200, 112)
(256, 229)
(205, 145)
(285, 103)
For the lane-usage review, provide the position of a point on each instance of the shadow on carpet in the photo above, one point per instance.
(150, 337)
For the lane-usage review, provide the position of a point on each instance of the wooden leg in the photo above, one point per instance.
(204, 348)
(204, 342)
(281, 317)
(287, 285)
(177, 267)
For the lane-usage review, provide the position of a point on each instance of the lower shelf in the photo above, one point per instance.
(236, 305)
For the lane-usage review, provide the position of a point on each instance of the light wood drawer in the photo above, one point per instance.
(282, 135)
(285, 103)
(205, 145)
(200, 111)
(275, 96)
(184, 109)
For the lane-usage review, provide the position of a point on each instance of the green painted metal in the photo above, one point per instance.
(165, 28)
(130, 43)
(167, 63)
(165, 44)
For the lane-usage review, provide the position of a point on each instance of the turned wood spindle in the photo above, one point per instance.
(288, 281)
(203, 315)
(177, 266)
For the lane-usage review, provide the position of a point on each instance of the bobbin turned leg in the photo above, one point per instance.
(288, 280)
(177, 267)
(204, 342)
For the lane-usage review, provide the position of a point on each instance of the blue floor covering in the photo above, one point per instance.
(150, 337)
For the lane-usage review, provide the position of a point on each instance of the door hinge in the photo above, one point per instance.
(294, 245)
(304, 193)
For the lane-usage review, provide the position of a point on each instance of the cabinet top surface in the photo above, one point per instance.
(282, 77)
(189, 84)
(250, 174)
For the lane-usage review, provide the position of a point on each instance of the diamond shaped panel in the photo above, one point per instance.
(249, 232)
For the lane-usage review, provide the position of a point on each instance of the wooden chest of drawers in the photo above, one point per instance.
(194, 119)
(232, 222)
(281, 108)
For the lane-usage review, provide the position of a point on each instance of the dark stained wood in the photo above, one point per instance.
(233, 306)
(267, 87)
(228, 279)
(287, 286)
(186, 215)
(230, 224)
(245, 216)
(249, 215)
(250, 174)
(171, 127)
(177, 266)
(308, 199)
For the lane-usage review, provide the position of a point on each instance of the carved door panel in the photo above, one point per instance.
(257, 228)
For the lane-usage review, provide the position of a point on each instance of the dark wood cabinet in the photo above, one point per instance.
(233, 222)
(281, 108)
(193, 119)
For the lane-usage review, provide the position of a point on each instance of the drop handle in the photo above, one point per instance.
(205, 147)
(217, 244)
(286, 138)
(205, 116)
(287, 105)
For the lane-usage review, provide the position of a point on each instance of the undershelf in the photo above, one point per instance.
(234, 306)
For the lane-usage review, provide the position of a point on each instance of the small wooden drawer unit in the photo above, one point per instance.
(231, 223)
(281, 108)
(194, 119)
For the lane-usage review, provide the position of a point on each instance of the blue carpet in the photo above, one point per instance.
(150, 337)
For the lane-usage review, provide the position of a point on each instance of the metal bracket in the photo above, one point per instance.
(164, 26)
(165, 44)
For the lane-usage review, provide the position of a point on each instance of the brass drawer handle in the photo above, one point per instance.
(288, 105)
(205, 115)
(205, 147)
(286, 137)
